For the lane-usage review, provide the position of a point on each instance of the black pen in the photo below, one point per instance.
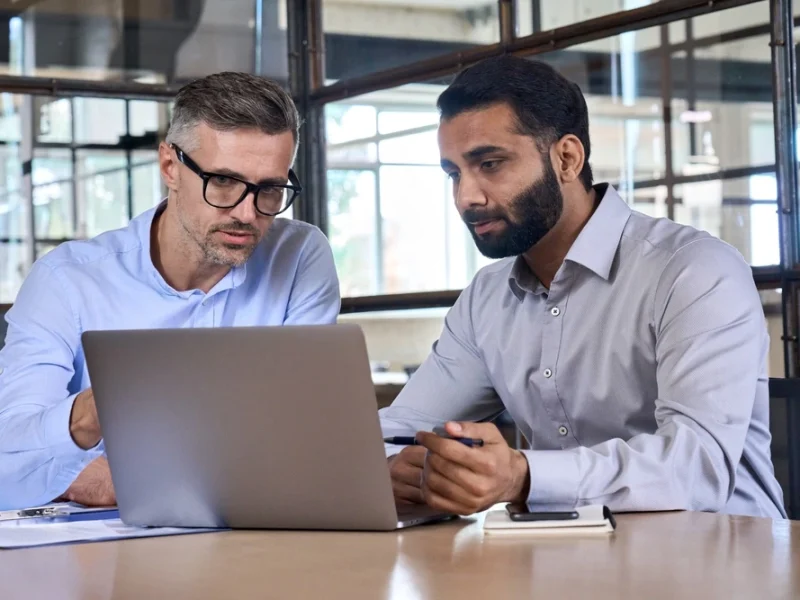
(401, 440)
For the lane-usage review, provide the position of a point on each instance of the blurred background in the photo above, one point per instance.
(680, 94)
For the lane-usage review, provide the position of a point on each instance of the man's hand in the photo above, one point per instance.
(464, 480)
(93, 486)
(406, 471)
(84, 426)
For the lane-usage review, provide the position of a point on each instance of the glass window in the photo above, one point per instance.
(374, 35)
(352, 230)
(52, 119)
(147, 118)
(153, 42)
(742, 212)
(349, 131)
(720, 99)
(146, 186)
(10, 122)
(389, 203)
(722, 95)
(99, 120)
(13, 216)
(15, 261)
(86, 176)
(13, 206)
(53, 208)
(541, 15)
(414, 228)
(102, 191)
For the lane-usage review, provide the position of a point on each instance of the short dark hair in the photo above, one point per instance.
(230, 100)
(548, 106)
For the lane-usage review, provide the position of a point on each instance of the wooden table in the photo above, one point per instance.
(668, 555)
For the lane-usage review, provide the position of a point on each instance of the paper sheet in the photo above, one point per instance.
(25, 535)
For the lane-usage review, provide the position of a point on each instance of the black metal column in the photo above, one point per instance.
(785, 106)
(666, 107)
(507, 11)
(306, 74)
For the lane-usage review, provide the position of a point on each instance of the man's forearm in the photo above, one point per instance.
(84, 426)
(682, 470)
(38, 459)
(93, 487)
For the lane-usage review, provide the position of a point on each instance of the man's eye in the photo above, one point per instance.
(490, 165)
(222, 181)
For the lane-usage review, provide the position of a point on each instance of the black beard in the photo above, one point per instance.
(528, 218)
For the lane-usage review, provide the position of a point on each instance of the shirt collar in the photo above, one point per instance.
(143, 227)
(597, 243)
(595, 247)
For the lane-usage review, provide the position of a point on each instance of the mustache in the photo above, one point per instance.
(236, 226)
(478, 215)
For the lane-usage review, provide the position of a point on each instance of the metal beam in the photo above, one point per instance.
(764, 277)
(46, 86)
(650, 15)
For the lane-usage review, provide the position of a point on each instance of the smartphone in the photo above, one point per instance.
(520, 512)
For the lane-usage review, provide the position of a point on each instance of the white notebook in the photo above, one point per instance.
(595, 519)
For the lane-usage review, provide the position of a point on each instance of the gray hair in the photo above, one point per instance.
(228, 101)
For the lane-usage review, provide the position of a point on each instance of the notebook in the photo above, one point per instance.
(594, 519)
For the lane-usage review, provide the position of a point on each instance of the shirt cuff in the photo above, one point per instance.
(555, 477)
(55, 423)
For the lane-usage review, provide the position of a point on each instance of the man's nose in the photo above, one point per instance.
(245, 211)
(468, 194)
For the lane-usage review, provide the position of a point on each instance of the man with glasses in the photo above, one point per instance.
(211, 254)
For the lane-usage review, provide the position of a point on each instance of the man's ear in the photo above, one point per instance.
(168, 165)
(569, 157)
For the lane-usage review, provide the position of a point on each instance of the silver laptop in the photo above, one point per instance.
(258, 428)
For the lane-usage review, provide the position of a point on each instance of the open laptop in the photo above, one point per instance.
(256, 427)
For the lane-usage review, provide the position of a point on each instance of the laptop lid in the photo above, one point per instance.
(257, 427)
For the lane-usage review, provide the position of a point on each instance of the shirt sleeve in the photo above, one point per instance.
(711, 346)
(38, 458)
(315, 296)
(452, 383)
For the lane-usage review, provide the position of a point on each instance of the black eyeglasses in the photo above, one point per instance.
(226, 191)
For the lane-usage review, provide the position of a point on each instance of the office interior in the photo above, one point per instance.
(692, 117)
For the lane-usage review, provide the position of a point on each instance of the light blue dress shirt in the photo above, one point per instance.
(110, 282)
(639, 378)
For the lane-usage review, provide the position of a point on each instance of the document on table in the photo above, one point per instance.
(46, 532)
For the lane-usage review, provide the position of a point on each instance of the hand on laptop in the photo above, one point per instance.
(84, 426)
(406, 471)
(93, 487)
(464, 480)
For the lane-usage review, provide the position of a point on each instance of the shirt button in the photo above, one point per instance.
(555, 311)
(562, 431)
(548, 373)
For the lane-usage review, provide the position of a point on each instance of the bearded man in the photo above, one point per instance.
(630, 351)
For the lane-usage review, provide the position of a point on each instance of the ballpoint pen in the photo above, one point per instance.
(402, 440)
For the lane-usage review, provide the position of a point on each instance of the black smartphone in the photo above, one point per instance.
(520, 512)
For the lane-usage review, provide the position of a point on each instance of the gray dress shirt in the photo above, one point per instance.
(639, 378)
